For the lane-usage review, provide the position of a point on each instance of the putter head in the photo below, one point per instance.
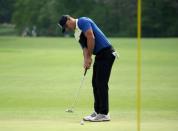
(69, 110)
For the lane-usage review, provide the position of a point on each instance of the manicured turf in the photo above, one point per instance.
(39, 77)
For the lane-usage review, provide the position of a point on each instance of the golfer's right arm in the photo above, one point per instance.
(87, 59)
(87, 52)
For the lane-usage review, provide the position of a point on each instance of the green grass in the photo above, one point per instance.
(7, 29)
(39, 76)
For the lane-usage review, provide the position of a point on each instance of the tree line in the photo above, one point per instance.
(115, 17)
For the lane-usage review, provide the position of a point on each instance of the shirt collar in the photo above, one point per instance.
(76, 25)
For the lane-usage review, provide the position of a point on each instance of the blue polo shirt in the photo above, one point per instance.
(101, 41)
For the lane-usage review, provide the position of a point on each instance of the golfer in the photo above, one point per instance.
(93, 42)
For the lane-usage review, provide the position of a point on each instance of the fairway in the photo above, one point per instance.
(39, 77)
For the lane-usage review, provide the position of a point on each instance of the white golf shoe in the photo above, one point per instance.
(100, 118)
(88, 118)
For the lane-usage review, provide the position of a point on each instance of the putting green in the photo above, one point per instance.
(39, 76)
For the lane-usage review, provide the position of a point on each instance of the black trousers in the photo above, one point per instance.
(101, 74)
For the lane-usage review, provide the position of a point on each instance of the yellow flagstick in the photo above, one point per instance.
(138, 96)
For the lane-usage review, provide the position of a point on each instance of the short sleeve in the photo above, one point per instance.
(84, 25)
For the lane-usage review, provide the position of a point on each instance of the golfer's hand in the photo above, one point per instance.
(87, 63)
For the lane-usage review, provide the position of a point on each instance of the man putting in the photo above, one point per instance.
(93, 42)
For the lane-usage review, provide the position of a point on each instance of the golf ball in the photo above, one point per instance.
(82, 122)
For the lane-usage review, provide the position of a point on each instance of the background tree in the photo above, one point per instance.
(114, 17)
(6, 10)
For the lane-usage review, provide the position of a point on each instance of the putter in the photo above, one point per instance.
(71, 110)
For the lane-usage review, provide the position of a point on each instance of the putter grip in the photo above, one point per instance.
(85, 71)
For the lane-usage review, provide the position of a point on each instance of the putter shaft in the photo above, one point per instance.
(77, 93)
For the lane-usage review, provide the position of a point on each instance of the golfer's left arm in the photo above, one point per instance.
(90, 46)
